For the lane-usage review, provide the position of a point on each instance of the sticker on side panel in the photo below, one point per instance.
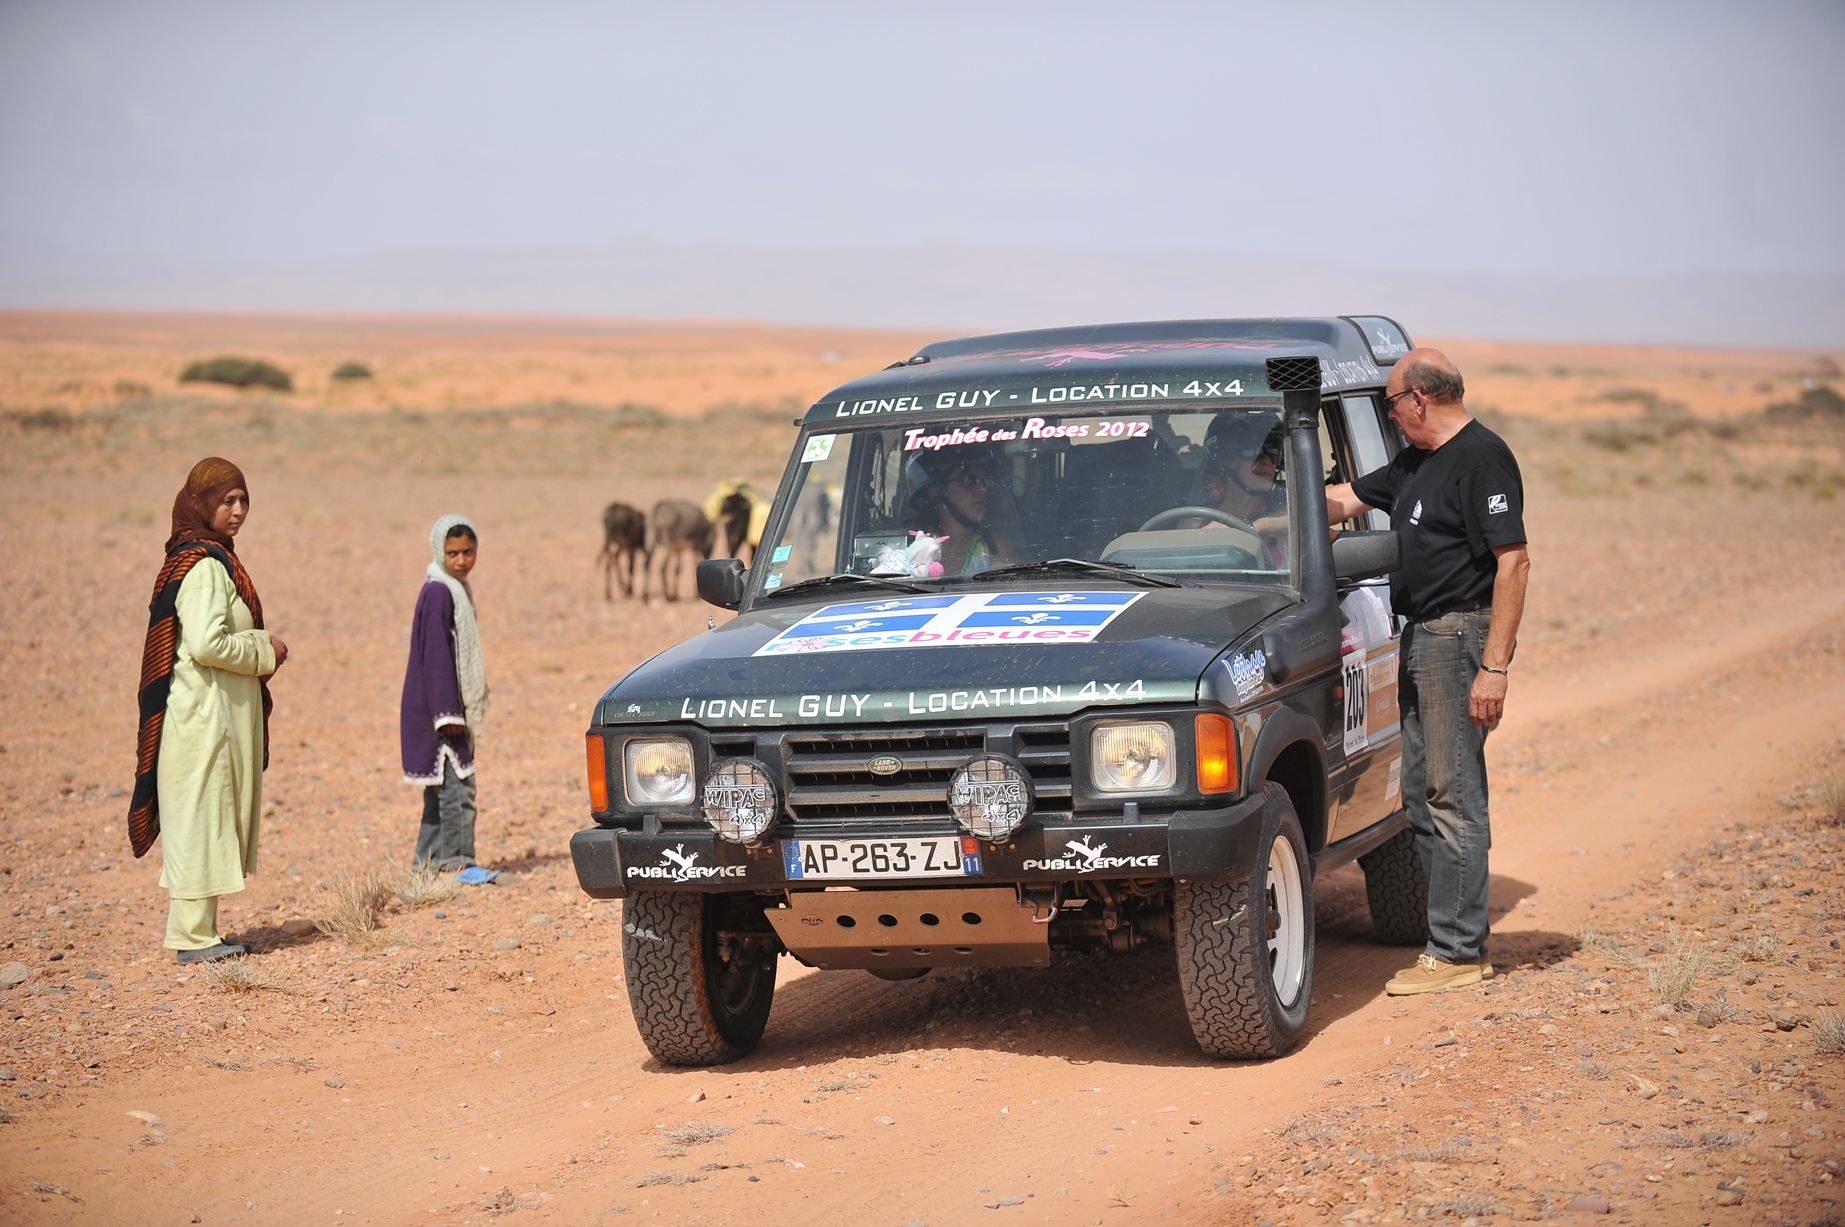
(1395, 784)
(1248, 670)
(1357, 703)
(985, 620)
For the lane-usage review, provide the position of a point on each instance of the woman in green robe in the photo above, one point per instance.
(204, 713)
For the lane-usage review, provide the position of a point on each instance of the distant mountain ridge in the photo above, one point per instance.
(963, 288)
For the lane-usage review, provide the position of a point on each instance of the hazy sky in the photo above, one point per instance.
(1594, 138)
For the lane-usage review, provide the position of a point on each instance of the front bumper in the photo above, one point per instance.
(1202, 845)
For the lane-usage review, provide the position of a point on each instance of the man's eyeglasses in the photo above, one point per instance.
(975, 478)
(1390, 402)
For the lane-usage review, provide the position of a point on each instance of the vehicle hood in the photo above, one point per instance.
(858, 658)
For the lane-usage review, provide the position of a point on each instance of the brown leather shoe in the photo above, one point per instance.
(1431, 975)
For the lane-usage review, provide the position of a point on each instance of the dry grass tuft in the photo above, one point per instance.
(418, 885)
(653, 1177)
(241, 975)
(1466, 1207)
(1718, 1010)
(1451, 1151)
(1761, 949)
(1719, 1139)
(47, 1191)
(697, 1133)
(1673, 976)
(351, 910)
(1832, 800)
(1826, 1032)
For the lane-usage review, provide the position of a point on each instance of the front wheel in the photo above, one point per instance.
(692, 1005)
(1245, 951)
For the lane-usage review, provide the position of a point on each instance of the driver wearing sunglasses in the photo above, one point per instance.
(1242, 456)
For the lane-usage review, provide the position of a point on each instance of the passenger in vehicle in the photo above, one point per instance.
(949, 496)
(1242, 455)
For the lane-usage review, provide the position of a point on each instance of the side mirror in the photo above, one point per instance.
(1363, 555)
(721, 581)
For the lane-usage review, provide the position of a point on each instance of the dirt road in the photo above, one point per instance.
(1683, 673)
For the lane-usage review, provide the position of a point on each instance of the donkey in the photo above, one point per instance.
(674, 530)
(624, 539)
(735, 520)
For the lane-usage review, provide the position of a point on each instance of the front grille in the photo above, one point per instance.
(829, 778)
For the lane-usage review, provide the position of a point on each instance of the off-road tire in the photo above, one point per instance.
(1397, 887)
(1221, 934)
(690, 1007)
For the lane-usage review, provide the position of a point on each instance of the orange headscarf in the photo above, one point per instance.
(210, 480)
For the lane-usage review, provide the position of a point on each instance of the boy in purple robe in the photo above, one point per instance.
(445, 697)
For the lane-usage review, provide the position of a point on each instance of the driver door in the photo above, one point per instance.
(1371, 637)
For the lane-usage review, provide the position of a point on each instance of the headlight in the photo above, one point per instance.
(659, 772)
(1131, 757)
(741, 802)
(990, 795)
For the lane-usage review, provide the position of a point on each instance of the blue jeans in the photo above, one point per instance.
(1444, 778)
(447, 833)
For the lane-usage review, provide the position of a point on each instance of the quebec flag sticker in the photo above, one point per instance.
(1006, 619)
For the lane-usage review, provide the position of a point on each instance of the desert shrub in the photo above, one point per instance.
(128, 389)
(352, 370)
(238, 373)
(1819, 402)
(55, 418)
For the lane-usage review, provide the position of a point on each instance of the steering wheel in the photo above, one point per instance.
(1199, 513)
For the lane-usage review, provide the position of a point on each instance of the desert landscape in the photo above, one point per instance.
(1663, 1042)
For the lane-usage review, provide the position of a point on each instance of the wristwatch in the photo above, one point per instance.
(1500, 672)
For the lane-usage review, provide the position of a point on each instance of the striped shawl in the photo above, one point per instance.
(157, 660)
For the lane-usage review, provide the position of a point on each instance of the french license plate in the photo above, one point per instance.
(941, 856)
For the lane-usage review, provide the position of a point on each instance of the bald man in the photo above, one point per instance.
(1456, 498)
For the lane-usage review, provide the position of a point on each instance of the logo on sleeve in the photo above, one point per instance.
(1495, 503)
(1415, 517)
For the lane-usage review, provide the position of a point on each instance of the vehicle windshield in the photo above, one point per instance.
(1196, 496)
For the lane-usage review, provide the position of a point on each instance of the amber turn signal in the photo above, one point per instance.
(598, 773)
(1216, 754)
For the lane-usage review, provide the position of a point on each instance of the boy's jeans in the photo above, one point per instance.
(1444, 778)
(447, 834)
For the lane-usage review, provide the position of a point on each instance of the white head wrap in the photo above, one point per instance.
(470, 667)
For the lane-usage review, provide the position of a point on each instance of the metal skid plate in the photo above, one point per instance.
(877, 929)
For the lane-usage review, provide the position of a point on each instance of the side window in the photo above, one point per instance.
(1338, 456)
(1366, 435)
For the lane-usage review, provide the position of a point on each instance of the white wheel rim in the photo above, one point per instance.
(1287, 952)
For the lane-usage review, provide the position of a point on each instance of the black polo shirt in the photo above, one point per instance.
(1452, 507)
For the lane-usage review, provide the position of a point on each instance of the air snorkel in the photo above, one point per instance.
(1307, 638)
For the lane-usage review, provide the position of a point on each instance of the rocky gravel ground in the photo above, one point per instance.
(473, 1056)
(1683, 1061)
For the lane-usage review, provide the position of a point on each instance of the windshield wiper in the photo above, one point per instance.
(1122, 571)
(845, 579)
